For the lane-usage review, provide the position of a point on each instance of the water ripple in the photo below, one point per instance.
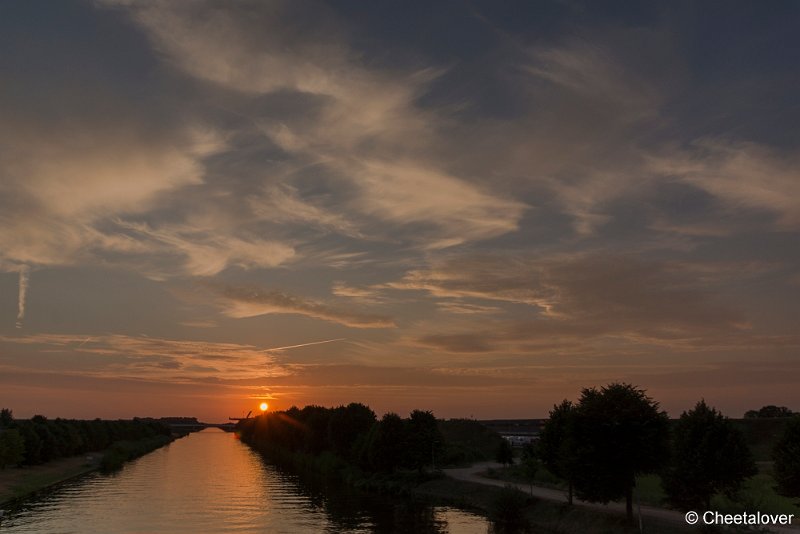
(210, 482)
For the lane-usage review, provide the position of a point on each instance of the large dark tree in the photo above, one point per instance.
(709, 455)
(620, 433)
(787, 459)
(424, 442)
(316, 420)
(557, 446)
(346, 424)
(387, 443)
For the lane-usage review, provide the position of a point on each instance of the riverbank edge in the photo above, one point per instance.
(542, 515)
(59, 471)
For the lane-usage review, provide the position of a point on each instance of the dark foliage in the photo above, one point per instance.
(46, 440)
(558, 446)
(6, 418)
(122, 451)
(350, 434)
(507, 511)
(529, 463)
(467, 441)
(786, 455)
(12, 447)
(770, 411)
(423, 440)
(709, 455)
(346, 425)
(620, 433)
(504, 453)
(386, 444)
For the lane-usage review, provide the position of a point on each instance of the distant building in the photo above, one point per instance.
(520, 441)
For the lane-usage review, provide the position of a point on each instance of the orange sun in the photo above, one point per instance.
(264, 406)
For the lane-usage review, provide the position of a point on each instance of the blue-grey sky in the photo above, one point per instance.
(477, 208)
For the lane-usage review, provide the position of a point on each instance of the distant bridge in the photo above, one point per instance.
(185, 427)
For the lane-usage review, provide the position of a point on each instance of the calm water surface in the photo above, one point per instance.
(211, 482)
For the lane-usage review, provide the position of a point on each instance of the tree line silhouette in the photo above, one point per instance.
(352, 433)
(600, 444)
(39, 440)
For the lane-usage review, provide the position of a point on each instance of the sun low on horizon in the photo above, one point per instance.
(475, 210)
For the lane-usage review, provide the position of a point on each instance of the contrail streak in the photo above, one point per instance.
(304, 344)
(24, 274)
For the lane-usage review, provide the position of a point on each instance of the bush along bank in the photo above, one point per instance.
(123, 451)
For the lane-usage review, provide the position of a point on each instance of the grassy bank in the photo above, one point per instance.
(489, 501)
(19, 482)
(541, 515)
(757, 493)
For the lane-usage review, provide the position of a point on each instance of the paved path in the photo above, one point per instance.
(473, 474)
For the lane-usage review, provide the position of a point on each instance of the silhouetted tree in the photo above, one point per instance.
(423, 440)
(786, 455)
(346, 424)
(387, 443)
(51, 449)
(12, 447)
(47, 440)
(316, 420)
(6, 418)
(558, 445)
(768, 412)
(709, 455)
(620, 433)
(33, 443)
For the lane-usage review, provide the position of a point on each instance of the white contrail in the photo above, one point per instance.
(305, 344)
(24, 273)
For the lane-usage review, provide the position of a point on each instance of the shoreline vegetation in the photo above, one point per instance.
(405, 457)
(299, 444)
(37, 453)
(21, 482)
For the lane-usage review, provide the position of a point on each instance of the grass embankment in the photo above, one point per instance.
(19, 482)
(758, 492)
(541, 515)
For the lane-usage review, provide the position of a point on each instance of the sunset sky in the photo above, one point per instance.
(477, 208)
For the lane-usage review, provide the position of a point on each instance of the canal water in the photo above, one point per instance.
(211, 482)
